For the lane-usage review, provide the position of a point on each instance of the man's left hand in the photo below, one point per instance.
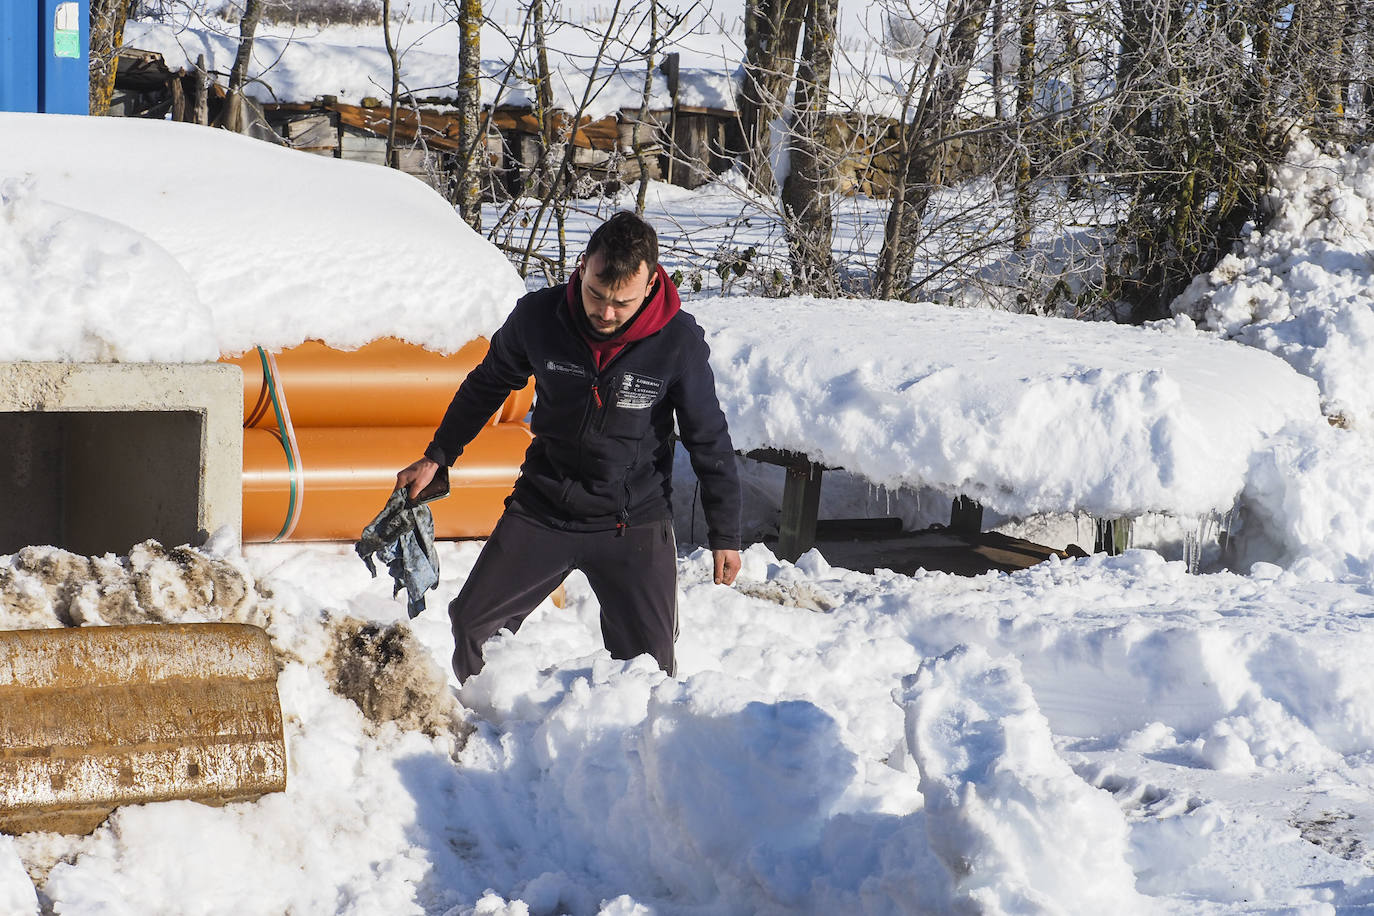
(727, 566)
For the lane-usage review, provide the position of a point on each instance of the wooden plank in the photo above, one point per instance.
(854, 529)
(416, 162)
(200, 112)
(314, 132)
(178, 99)
(362, 149)
(601, 133)
(637, 132)
(590, 157)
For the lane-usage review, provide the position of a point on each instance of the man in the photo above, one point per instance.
(615, 361)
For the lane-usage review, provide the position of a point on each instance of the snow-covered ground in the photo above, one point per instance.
(1097, 736)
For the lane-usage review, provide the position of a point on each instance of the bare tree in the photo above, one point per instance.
(921, 142)
(637, 130)
(232, 116)
(393, 158)
(1025, 103)
(471, 131)
(107, 20)
(771, 31)
(807, 188)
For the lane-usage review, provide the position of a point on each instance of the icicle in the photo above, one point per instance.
(1192, 548)
(1224, 537)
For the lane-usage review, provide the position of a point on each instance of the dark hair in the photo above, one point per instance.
(624, 242)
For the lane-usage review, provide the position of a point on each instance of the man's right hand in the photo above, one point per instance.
(415, 477)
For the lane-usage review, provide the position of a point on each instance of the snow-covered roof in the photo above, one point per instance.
(299, 63)
(1024, 414)
(135, 240)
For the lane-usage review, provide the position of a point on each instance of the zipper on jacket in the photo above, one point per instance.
(600, 425)
(623, 516)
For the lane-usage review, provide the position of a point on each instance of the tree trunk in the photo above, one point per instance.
(1073, 127)
(1330, 65)
(1137, 73)
(393, 158)
(921, 146)
(201, 102)
(231, 118)
(636, 140)
(771, 30)
(998, 113)
(1025, 102)
(806, 191)
(545, 171)
(107, 18)
(472, 141)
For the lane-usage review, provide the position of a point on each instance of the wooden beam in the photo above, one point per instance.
(801, 499)
(966, 516)
(178, 99)
(200, 102)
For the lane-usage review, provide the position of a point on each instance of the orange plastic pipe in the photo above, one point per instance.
(348, 473)
(385, 383)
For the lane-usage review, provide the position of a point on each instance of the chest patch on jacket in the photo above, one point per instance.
(636, 392)
(566, 367)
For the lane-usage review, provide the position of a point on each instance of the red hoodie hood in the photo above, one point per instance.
(663, 303)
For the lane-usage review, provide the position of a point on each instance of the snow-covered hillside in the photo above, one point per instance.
(1107, 735)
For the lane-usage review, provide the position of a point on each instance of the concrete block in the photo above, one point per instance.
(101, 456)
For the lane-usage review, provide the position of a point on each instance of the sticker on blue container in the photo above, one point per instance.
(66, 30)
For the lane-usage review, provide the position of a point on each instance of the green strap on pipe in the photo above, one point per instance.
(287, 435)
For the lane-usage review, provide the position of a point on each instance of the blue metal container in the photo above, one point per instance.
(19, 55)
(45, 48)
(64, 78)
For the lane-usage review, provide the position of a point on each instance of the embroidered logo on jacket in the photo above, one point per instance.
(569, 368)
(637, 392)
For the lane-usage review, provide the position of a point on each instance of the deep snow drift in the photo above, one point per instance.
(1103, 735)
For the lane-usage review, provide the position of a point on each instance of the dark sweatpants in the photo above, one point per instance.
(633, 573)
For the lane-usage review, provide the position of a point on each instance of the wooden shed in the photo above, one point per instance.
(687, 146)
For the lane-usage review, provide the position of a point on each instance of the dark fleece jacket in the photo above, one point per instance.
(602, 454)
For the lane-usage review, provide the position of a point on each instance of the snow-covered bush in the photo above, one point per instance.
(1303, 286)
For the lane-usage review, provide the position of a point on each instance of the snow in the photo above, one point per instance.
(1006, 813)
(1027, 415)
(1064, 733)
(254, 244)
(1089, 736)
(1303, 288)
(295, 63)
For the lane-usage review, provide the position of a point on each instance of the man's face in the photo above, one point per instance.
(609, 307)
